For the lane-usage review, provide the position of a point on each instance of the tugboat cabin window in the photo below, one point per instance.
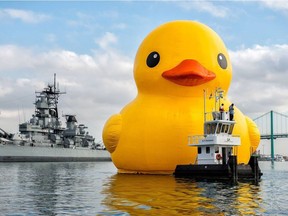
(231, 129)
(210, 128)
(217, 128)
(223, 128)
(199, 150)
(207, 150)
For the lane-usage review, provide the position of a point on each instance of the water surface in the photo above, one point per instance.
(96, 189)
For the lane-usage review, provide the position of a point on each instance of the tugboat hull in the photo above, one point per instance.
(203, 171)
(228, 171)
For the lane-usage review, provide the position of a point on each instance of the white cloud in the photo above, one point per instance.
(205, 6)
(67, 61)
(106, 40)
(280, 5)
(12, 57)
(23, 82)
(7, 114)
(5, 90)
(260, 78)
(23, 15)
(15, 58)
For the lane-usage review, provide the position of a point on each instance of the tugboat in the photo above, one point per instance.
(44, 139)
(217, 152)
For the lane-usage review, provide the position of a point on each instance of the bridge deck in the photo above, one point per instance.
(268, 136)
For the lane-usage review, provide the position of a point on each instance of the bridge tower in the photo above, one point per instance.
(272, 134)
(272, 125)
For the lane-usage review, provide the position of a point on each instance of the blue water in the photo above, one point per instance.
(96, 189)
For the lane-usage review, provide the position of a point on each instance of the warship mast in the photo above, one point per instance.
(47, 100)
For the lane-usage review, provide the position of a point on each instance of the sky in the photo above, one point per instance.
(91, 46)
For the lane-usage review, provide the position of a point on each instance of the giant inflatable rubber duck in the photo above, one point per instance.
(173, 65)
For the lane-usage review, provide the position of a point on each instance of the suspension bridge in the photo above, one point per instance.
(272, 125)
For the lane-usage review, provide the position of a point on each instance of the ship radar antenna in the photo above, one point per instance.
(54, 82)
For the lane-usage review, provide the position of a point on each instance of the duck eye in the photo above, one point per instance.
(153, 59)
(222, 61)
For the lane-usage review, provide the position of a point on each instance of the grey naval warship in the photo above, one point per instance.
(43, 139)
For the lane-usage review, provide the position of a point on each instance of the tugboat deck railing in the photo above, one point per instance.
(217, 115)
(194, 139)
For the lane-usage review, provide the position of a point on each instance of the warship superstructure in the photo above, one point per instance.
(43, 138)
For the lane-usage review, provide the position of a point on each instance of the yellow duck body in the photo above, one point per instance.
(173, 65)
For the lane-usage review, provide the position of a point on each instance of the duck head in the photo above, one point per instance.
(182, 58)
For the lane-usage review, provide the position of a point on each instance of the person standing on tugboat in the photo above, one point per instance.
(231, 112)
(221, 109)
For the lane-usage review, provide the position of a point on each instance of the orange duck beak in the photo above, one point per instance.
(189, 73)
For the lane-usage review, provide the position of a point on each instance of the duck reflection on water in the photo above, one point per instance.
(161, 194)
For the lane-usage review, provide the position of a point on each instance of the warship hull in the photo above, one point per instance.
(15, 153)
